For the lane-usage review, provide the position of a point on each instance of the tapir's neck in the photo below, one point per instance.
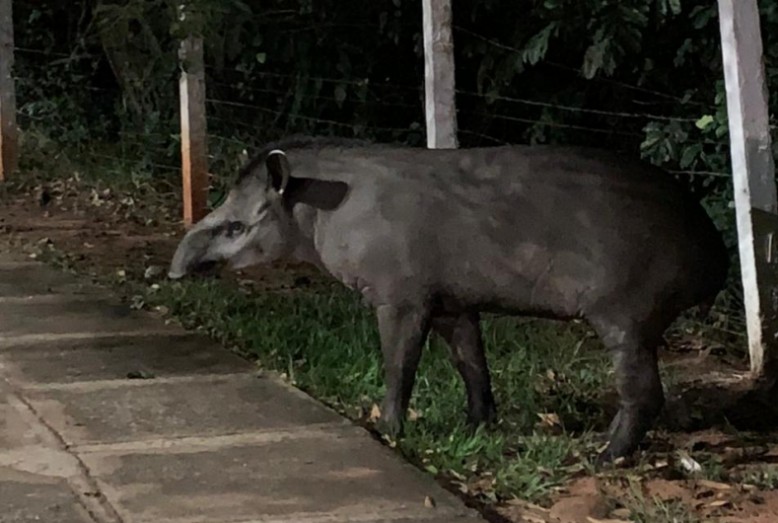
(304, 217)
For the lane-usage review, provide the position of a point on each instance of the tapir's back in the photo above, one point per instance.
(545, 229)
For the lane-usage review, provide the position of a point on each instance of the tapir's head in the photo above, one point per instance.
(255, 224)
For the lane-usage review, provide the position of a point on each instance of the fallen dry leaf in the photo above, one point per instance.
(549, 419)
(536, 508)
(375, 413)
(688, 463)
(715, 485)
(593, 520)
(429, 502)
(660, 464)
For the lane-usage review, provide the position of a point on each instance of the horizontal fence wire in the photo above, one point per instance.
(42, 52)
(305, 118)
(125, 159)
(552, 124)
(713, 174)
(625, 85)
(365, 82)
(347, 99)
(570, 108)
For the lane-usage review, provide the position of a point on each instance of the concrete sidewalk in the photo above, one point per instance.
(205, 439)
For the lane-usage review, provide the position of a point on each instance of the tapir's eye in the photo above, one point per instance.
(234, 228)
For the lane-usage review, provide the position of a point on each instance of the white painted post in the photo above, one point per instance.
(753, 178)
(194, 148)
(439, 85)
(9, 140)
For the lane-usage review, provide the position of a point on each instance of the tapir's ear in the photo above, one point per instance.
(321, 194)
(278, 170)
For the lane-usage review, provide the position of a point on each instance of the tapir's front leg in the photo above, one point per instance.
(403, 332)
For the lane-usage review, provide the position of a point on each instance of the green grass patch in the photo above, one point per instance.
(764, 476)
(656, 510)
(326, 343)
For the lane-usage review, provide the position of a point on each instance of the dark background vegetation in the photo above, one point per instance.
(640, 75)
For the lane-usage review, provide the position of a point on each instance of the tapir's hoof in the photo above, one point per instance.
(604, 459)
(391, 427)
(486, 418)
(615, 455)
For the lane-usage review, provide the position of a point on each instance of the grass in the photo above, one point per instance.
(326, 343)
(658, 511)
(764, 477)
(638, 507)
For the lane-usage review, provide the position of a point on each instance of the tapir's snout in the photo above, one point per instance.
(190, 256)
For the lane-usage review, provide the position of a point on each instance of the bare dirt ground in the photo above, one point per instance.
(107, 235)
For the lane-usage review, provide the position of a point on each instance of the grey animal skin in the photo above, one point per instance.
(433, 238)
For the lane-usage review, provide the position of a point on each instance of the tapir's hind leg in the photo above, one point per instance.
(462, 334)
(633, 348)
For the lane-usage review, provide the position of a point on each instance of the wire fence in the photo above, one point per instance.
(245, 106)
(418, 107)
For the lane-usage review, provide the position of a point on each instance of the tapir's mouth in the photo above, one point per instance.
(208, 268)
(201, 269)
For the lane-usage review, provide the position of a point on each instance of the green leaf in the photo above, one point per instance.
(593, 60)
(261, 57)
(537, 46)
(704, 122)
(689, 155)
(650, 142)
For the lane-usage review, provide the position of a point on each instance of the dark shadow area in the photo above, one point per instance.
(728, 399)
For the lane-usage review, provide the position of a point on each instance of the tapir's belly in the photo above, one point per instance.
(532, 280)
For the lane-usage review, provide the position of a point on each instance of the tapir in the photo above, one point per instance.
(433, 238)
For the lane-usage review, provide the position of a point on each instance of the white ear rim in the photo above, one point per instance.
(271, 153)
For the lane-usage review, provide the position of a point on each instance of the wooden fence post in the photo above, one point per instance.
(9, 140)
(194, 147)
(439, 83)
(753, 179)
